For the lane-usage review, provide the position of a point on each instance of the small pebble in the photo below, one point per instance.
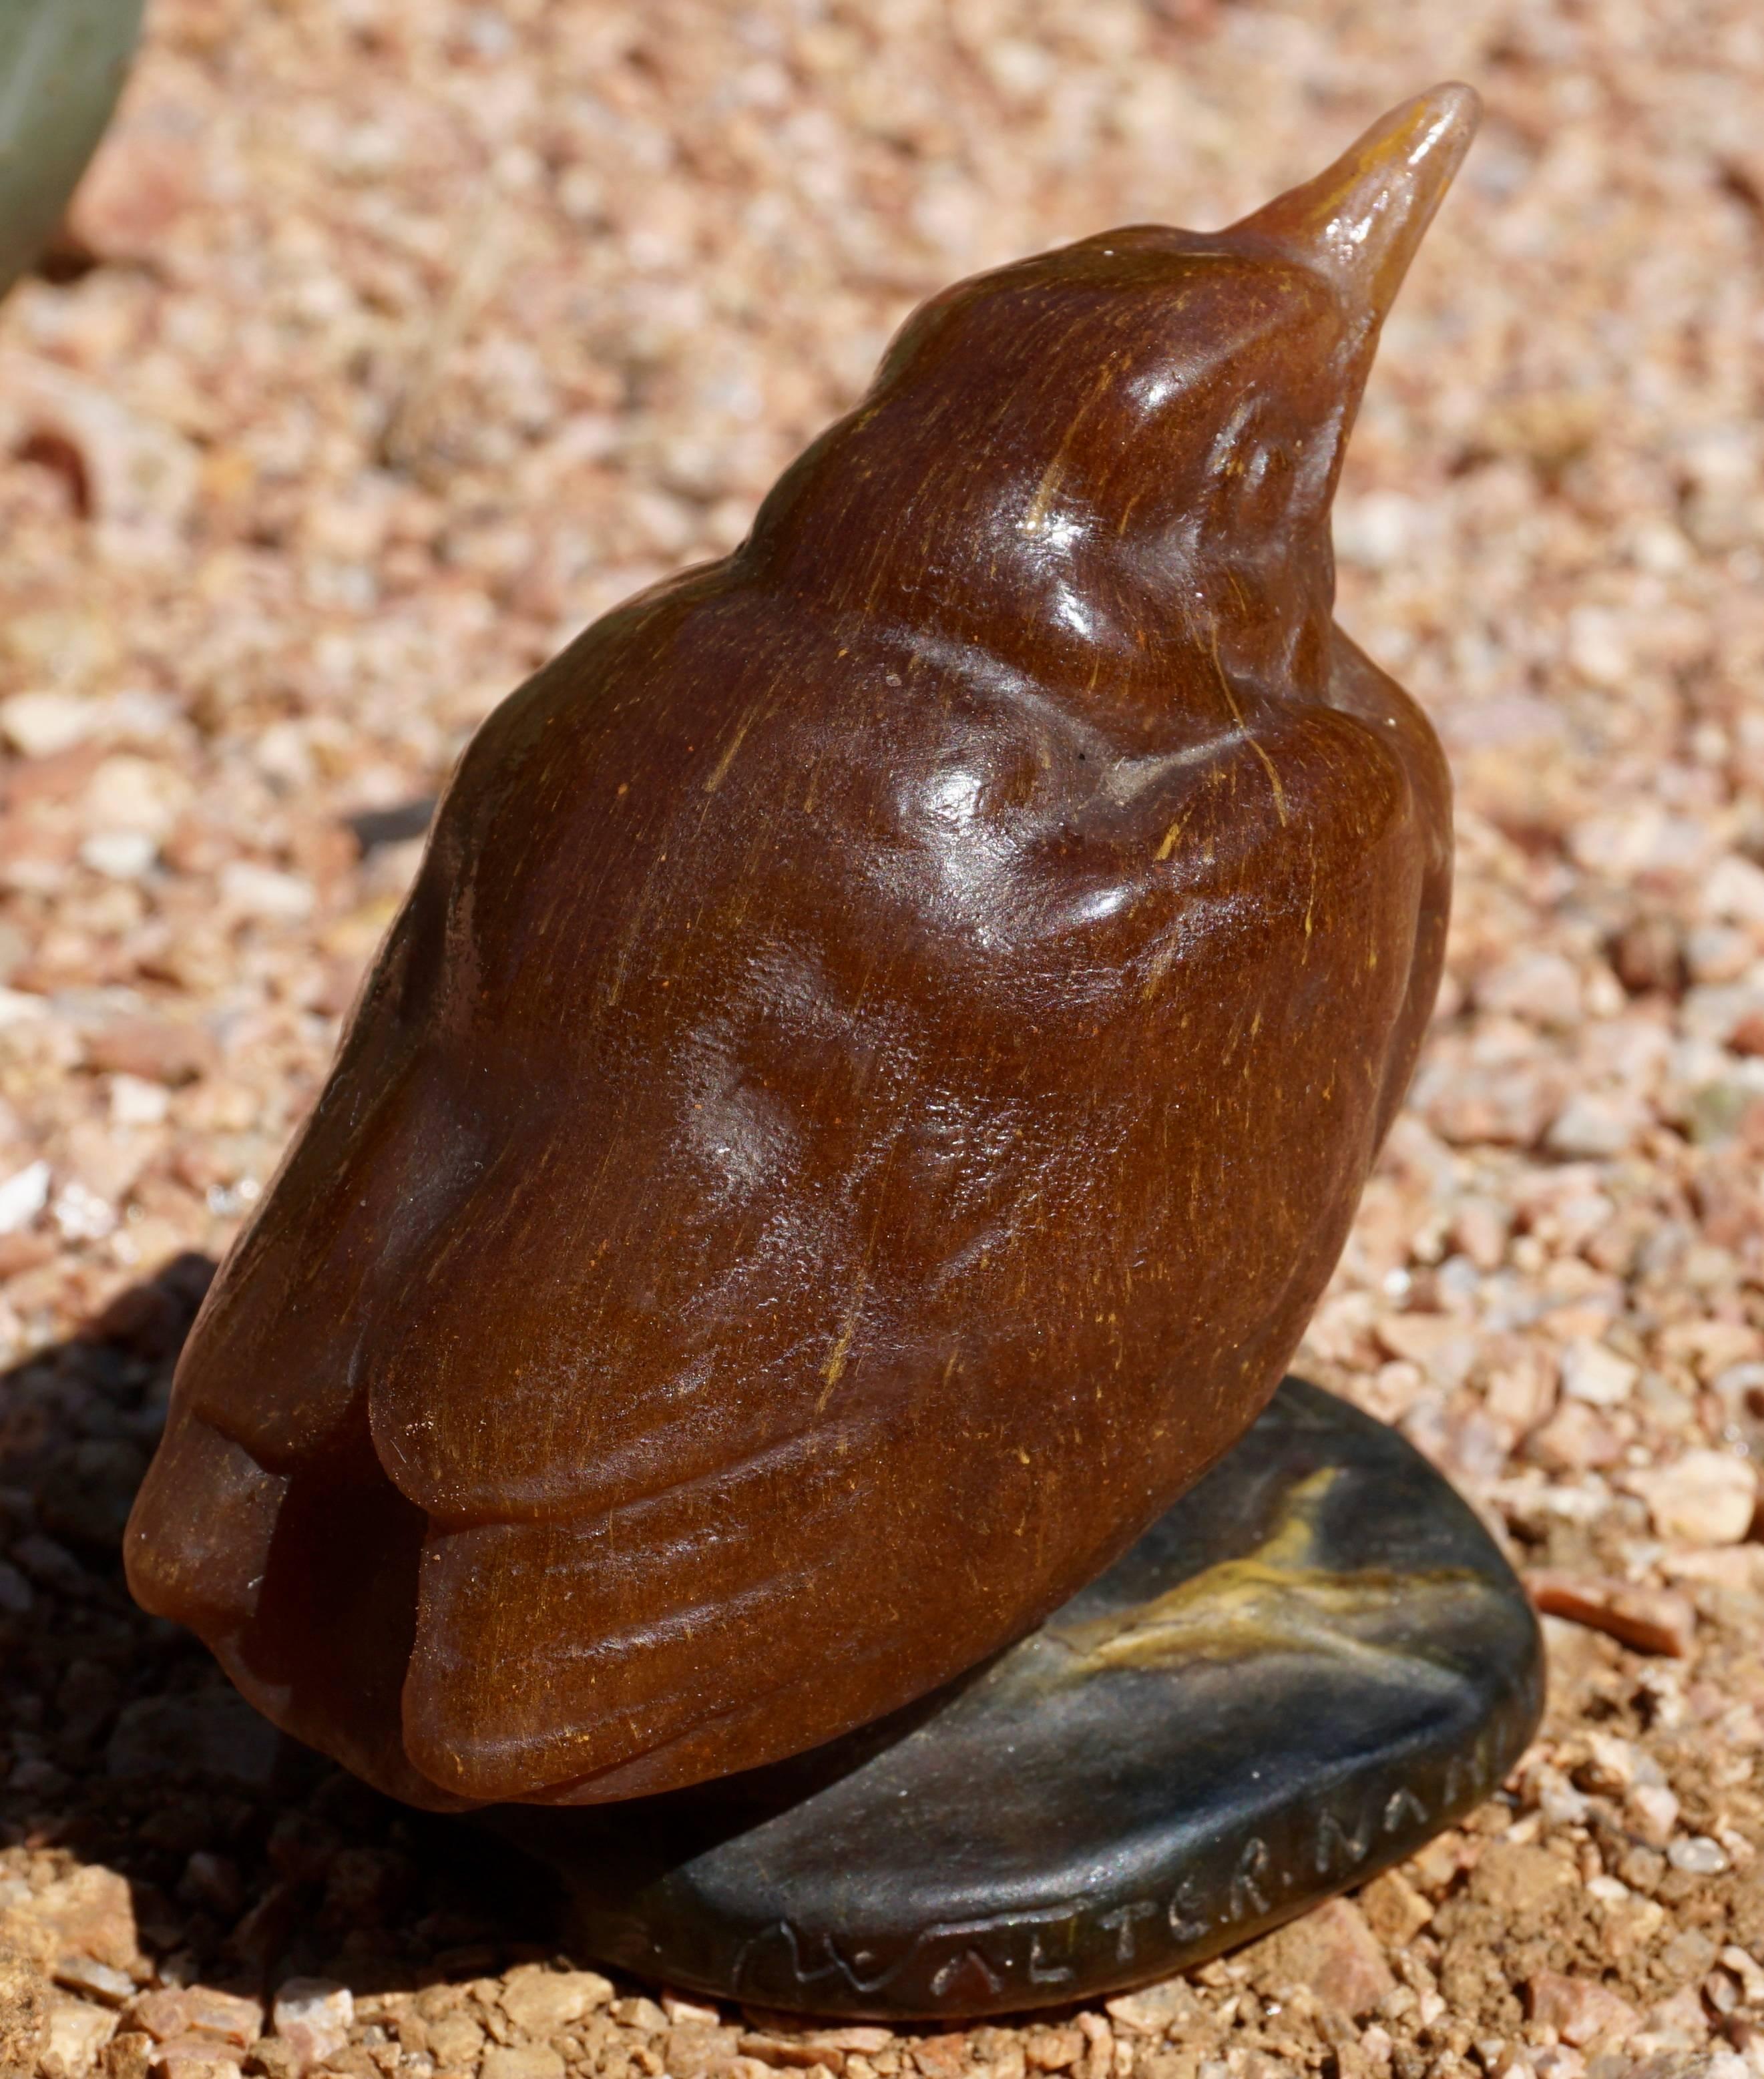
(1697, 1853)
(313, 2016)
(93, 1980)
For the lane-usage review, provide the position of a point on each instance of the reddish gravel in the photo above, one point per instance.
(418, 332)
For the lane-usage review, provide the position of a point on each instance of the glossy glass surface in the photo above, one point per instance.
(876, 1069)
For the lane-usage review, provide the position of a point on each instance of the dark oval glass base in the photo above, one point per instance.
(1316, 1659)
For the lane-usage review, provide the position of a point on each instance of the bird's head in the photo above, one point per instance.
(1130, 443)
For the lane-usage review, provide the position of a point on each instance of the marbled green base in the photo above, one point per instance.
(1315, 1660)
(62, 64)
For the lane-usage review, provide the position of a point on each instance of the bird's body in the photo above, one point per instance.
(874, 1074)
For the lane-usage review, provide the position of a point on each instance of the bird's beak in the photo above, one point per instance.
(1360, 220)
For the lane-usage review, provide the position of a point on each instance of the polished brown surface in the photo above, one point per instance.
(876, 1070)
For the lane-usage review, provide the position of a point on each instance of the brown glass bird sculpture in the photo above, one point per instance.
(876, 1069)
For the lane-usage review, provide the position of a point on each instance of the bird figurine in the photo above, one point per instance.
(874, 1070)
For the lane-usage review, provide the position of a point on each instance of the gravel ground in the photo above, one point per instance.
(393, 339)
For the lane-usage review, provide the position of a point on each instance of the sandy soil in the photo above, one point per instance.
(394, 340)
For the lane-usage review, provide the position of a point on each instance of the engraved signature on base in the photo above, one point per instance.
(1274, 1599)
(1241, 1893)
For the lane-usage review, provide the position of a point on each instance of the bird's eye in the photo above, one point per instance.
(1264, 462)
(1225, 456)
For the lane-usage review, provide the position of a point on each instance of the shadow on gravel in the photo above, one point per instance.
(249, 1859)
